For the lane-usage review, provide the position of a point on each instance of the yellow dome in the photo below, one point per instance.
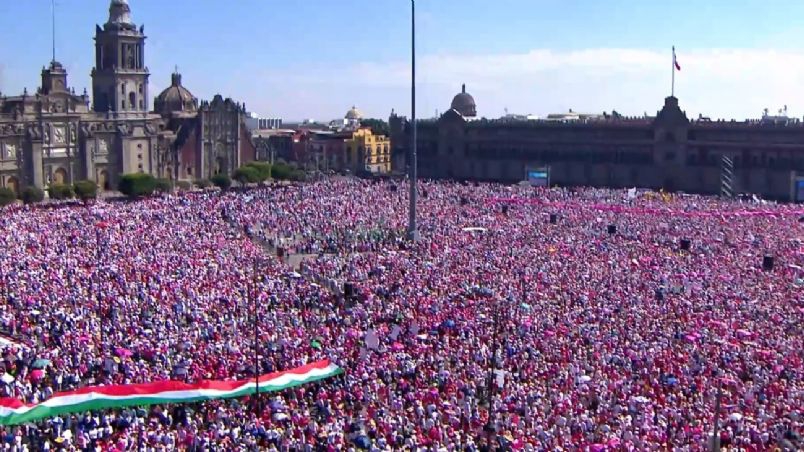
(354, 114)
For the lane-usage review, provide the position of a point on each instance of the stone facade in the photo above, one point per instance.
(666, 151)
(56, 136)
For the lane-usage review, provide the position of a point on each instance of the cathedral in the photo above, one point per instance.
(54, 136)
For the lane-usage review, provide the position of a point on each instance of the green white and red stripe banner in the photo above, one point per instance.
(13, 411)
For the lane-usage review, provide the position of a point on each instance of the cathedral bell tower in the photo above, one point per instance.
(120, 77)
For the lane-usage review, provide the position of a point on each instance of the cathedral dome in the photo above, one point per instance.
(464, 104)
(354, 114)
(175, 98)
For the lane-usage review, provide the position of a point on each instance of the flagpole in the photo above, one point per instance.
(673, 74)
(53, 27)
(413, 233)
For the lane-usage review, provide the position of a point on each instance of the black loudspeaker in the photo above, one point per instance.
(280, 252)
(659, 295)
(612, 229)
(685, 244)
(348, 290)
(505, 210)
(767, 262)
(553, 218)
(392, 188)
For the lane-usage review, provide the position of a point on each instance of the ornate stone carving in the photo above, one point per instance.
(58, 135)
(34, 132)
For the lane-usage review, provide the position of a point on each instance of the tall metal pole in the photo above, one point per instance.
(716, 430)
(673, 74)
(53, 24)
(257, 404)
(490, 423)
(98, 295)
(413, 233)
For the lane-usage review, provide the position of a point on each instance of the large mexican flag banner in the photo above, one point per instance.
(13, 411)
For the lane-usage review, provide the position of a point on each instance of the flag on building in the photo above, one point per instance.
(675, 60)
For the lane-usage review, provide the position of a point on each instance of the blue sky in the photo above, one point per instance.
(315, 58)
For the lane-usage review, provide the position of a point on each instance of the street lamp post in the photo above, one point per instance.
(413, 232)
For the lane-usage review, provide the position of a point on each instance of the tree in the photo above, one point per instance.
(203, 183)
(263, 170)
(221, 181)
(163, 185)
(377, 126)
(298, 176)
(60, 191)
(136, 185)
(246, 175)
(32, 195)
(281, 171)
(184, 185)
(7, 196)
(86, 190)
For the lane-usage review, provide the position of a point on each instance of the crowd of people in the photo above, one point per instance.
(501, 328)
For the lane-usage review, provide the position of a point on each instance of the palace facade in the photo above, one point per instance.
(670, 151)
(55, 136)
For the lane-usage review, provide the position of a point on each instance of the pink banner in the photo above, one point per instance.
(784, 211)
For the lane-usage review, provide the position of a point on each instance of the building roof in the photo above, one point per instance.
(464, 103)
(175, 98)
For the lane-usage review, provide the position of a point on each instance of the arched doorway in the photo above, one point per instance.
(60, 177)
(13, 184)
(103, 180)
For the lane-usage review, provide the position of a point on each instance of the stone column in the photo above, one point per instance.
(37, 170)
(90, 148)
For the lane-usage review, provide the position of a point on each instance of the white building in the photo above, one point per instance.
(255, 122)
